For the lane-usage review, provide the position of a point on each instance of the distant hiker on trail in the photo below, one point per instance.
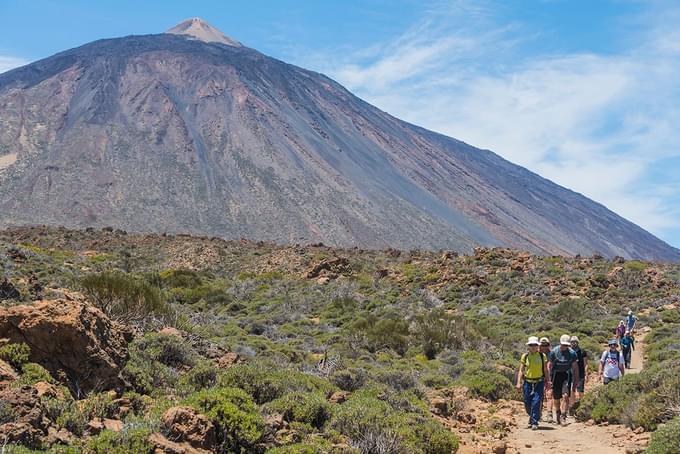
(612, 366)
(563, 364)
(582, 360)
(547, 395)
(532, 378)
(627, 345)
(631, 321)
(620, 330)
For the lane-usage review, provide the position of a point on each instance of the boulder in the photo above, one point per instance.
(21, 433)
(7, 374)
(164, 446)
(26, 406)
(338, 397)
(184, 424)
(73, 340)
(46, 389)
(500, 447)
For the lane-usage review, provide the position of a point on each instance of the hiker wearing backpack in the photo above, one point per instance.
(532, 378)
(631, 321)
(563, 367)
(582, 361)
(627, 345)
(612, 366)
(545, 348)
(620, 330)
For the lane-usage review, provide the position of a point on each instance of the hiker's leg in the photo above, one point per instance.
(527, 397)
(537, 397)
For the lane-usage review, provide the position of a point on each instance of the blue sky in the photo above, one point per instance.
(583, 92)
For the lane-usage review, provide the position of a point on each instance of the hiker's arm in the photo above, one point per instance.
(585, 366)
(574, 370)
(600, 369)
(546, 373)
(622, 367)
(520, 376)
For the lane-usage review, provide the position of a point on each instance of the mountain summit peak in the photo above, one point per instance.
(197, 28)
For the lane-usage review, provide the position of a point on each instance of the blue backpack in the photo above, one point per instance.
(562, 361)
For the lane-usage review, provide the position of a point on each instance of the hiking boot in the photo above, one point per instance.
(549, 419)
(558, 419)
(534, 426)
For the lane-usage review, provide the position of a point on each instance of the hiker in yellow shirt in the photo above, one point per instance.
(533, 377)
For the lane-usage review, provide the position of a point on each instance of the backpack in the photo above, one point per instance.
(562, 361)
(524, 361)
(618, 356)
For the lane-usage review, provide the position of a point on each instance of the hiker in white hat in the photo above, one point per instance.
(532, 378)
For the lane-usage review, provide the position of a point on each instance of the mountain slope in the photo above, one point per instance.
(171, 133)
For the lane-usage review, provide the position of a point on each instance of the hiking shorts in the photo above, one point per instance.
(560, 384)
(608, 380)
(580, 386)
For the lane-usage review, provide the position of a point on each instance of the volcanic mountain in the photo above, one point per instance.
(190, 131)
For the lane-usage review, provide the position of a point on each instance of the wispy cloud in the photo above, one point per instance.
(598, 124)
(7, 63)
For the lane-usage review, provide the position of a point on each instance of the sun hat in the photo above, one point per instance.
(630, 312)
(574, 338)
(533, 340)
(565, 339)
(613, 342)
(545, 340)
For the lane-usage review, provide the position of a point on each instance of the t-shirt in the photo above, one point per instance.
(581, 357)
(533, 365)
(627, 342)
(611, 366)
(562, 360)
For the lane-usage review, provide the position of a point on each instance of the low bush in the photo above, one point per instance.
(126, 441)
(666, 440)
(309, 408)
(15, 354)
(237, 420)
(124, 297)
(266, 383)
(154, 361)
(32, 373)
(487, 385)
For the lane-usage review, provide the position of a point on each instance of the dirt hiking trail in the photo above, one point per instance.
(579, 437)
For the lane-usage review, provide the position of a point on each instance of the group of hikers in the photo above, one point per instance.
(556, 376)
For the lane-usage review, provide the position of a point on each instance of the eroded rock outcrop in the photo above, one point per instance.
(73, 340)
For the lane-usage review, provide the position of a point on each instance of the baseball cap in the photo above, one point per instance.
(613, 342)
(533, 340)
(630, 312)
(545, 340)
(565, 339)
(574, 338)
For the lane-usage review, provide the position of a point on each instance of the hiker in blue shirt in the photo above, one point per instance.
(563, 366)
(627, 345)
(631, 320)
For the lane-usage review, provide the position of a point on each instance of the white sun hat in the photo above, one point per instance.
(565, 339)
(533, 340)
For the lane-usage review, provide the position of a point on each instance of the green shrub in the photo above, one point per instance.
(487, 385)
(666, 440)
(15, 354)
(203, 375)
(389, 331)
(154, 360)
(437, 330)
(349, 379)
(238, 422)
(32, 373)
(126, 441)
(6, 413)
(266, 383)
(124, 297)
(435, 439)
(309, 408)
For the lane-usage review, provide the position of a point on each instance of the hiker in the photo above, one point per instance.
(545, 348)
(611, 363)
(627, 345)
(582, 360)
(631, 321)
(620, 330)
(532, 378)
(562, 363)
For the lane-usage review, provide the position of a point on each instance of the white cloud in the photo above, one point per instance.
(7, 63)
(597, 124)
